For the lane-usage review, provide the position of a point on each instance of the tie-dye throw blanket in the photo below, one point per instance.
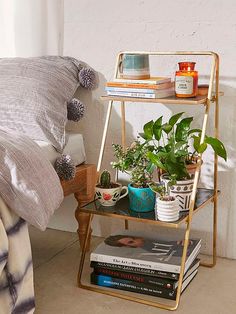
(16, 271)
(30, 191)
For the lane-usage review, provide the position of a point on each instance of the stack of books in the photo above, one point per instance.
(143, 265)
(155, 87)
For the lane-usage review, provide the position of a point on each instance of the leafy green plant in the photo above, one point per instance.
(133, 160)
(169, 145)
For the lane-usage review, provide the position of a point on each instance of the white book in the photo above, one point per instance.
(151, 80)
(155, 94)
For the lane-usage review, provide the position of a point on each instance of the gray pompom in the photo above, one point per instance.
(75, 110)
(65, 167)
(87, 78)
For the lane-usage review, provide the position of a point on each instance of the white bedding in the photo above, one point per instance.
(74, 148)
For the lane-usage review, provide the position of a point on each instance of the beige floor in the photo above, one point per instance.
(56, 255)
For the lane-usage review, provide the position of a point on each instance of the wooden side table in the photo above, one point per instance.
(82, 186)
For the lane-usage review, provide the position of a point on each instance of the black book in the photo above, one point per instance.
(144, 279)
(142, 271)
(128, 285)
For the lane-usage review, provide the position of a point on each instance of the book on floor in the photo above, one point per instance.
(155, 281)
(145, 252)
(128, 285)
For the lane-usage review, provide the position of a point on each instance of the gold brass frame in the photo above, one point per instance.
(206, 101)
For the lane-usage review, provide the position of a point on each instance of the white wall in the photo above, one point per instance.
(95, 31)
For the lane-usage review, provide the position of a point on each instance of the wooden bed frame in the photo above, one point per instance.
(82, 186)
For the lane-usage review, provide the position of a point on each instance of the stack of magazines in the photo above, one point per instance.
(139, 264)
(155, 87)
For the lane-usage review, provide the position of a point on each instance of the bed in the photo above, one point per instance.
(34, 93)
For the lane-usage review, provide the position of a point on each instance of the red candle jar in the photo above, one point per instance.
(186, 80)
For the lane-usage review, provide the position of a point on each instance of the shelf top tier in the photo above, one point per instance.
(198, 100)
(121, 210)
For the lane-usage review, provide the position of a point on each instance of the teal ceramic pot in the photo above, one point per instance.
(141, 200)
(135, 66)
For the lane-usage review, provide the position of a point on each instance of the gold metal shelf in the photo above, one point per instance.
(199, 197)
(198, 100)
(121, 210)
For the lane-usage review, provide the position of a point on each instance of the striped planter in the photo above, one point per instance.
(182, 191)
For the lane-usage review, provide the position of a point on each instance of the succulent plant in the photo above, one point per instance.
(105, 179)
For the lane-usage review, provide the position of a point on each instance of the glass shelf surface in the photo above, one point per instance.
(121, 210)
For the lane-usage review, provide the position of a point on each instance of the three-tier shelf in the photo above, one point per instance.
(199, 198)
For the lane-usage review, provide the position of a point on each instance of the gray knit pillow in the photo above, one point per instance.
(34, 93)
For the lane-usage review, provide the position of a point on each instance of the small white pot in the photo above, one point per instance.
(182, 191)
(167, 210)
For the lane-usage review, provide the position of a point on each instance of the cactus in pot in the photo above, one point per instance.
(108, 192)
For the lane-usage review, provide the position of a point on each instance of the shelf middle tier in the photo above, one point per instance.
(121, 210)
(198, 100)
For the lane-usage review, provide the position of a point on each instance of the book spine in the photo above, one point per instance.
(147, 81)
(154, 281)
(130, 90)
(134, 262)
(130, 94)
(128, 285)
(136, 270)
(141, 86)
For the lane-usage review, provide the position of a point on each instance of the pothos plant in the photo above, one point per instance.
(133, 161)
(169, 145)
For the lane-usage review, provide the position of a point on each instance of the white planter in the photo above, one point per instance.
(109, 197)
(182, 191)
(167, 210)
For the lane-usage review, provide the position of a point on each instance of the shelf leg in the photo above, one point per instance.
(123, 139)
(104, 136)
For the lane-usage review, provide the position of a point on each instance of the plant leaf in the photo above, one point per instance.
(180, 144)
(194, 131)
(182, 129)
(143, 136)
(157, 130)
(148, 129)
(155, 160)
(175, 118)
(196, 142)
(202, 147)
(217, 146)
(167, 128)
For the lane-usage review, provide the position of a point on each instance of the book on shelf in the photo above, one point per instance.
(139, 94)
(128, 285)
(136, 90)
(152, 80)
(142, 86)
(144, 252)
(145, 279)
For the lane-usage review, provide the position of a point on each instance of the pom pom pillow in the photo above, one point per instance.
(34, 93)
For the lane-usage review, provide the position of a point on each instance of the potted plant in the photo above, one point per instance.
(170, 151)
(133, 160)
(167, 207)
(107, 192)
